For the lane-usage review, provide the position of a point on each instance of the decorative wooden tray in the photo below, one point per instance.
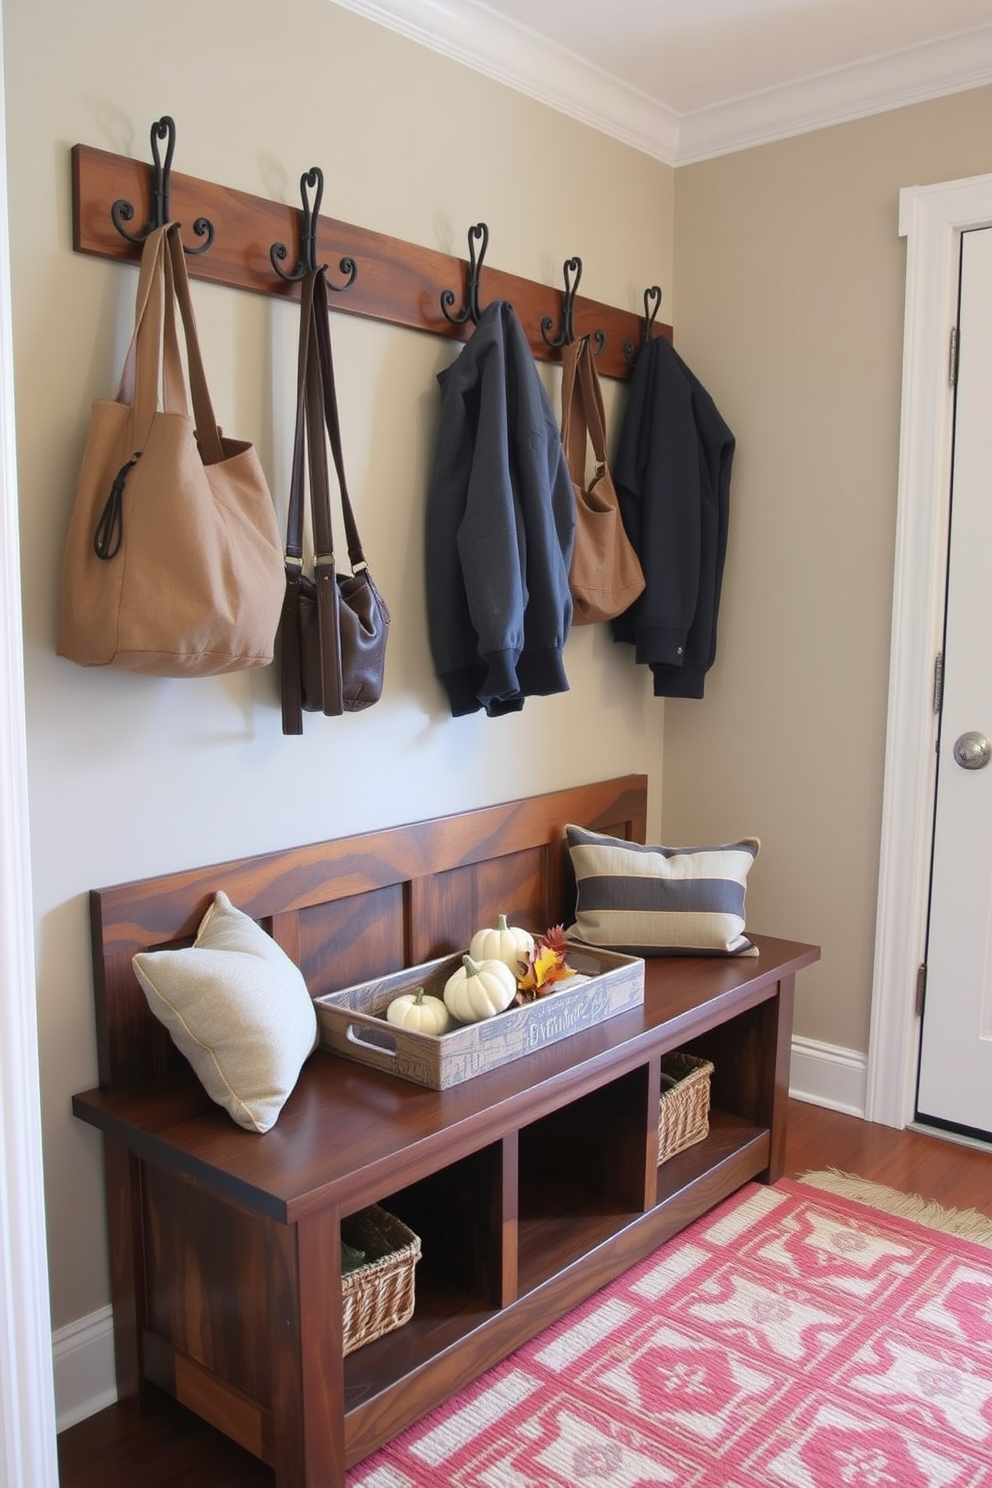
(353, 1022)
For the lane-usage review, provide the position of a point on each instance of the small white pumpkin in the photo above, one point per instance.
(419, 1012)
(507, 943)
(479, 989)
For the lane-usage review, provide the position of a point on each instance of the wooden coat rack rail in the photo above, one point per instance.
(396, 281)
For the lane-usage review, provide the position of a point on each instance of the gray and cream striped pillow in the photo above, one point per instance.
(660, 901)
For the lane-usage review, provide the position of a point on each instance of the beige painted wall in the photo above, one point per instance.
(131, 776)
(791, 278)
(789, 306)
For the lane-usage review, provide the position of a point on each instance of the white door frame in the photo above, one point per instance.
(932, 219)
(27, 1393)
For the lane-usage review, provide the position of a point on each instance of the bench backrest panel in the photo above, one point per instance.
(352, 908)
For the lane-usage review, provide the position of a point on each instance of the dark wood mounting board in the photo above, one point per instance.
(398, 282)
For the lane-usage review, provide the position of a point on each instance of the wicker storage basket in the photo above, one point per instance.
(684, 1116)
(378, 1295)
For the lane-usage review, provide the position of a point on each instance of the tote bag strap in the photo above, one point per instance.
(207, 433)
(153, 366)
(592, 402)
(573, 419)
(142, 371)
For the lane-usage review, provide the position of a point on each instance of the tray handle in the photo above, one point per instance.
(381, 1048)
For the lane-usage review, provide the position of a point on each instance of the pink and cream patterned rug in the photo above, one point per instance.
(789, 1339)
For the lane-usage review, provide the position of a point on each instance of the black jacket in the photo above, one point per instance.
(672, 475)
(500, 527)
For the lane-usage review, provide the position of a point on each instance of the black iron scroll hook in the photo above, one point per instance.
(470, 310)
(654, 293)
(566, 334)
(123, 211)
(307, 261)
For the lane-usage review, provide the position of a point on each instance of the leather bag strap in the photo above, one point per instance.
(294, 520)
(292, 675)
(317, 426)
(356, 555)
(324, 563)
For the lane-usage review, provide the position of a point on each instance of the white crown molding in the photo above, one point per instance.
(871, 87)
(477, 37)
(512, 54)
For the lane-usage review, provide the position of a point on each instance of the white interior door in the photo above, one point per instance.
(955, 1072)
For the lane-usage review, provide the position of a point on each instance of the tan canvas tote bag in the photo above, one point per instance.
(605, 577)
(173, 562)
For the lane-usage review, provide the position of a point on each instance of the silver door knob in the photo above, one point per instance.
(972, 751)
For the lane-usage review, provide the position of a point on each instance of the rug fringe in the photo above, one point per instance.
(969, 1224)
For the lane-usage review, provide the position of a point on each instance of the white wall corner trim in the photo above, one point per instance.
(27, 1395)
(824, 1075)
(931, 218)
(478, 37)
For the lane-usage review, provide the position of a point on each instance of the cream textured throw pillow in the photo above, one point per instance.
(660, 901)
(238, 1008)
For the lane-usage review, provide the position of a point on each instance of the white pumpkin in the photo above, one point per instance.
(419, 1012)
(507, 943)
(479, 989)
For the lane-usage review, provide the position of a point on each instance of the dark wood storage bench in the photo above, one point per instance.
(530, 1186)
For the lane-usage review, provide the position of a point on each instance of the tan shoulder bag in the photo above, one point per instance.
(173, 562)
(605, 577)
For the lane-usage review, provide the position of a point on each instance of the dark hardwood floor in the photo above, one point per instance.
(172, 1447)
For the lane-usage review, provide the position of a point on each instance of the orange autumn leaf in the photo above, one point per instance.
(546, 968)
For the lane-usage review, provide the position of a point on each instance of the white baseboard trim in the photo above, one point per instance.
(84, 1351)
(84, 1368)
(824, 1075)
